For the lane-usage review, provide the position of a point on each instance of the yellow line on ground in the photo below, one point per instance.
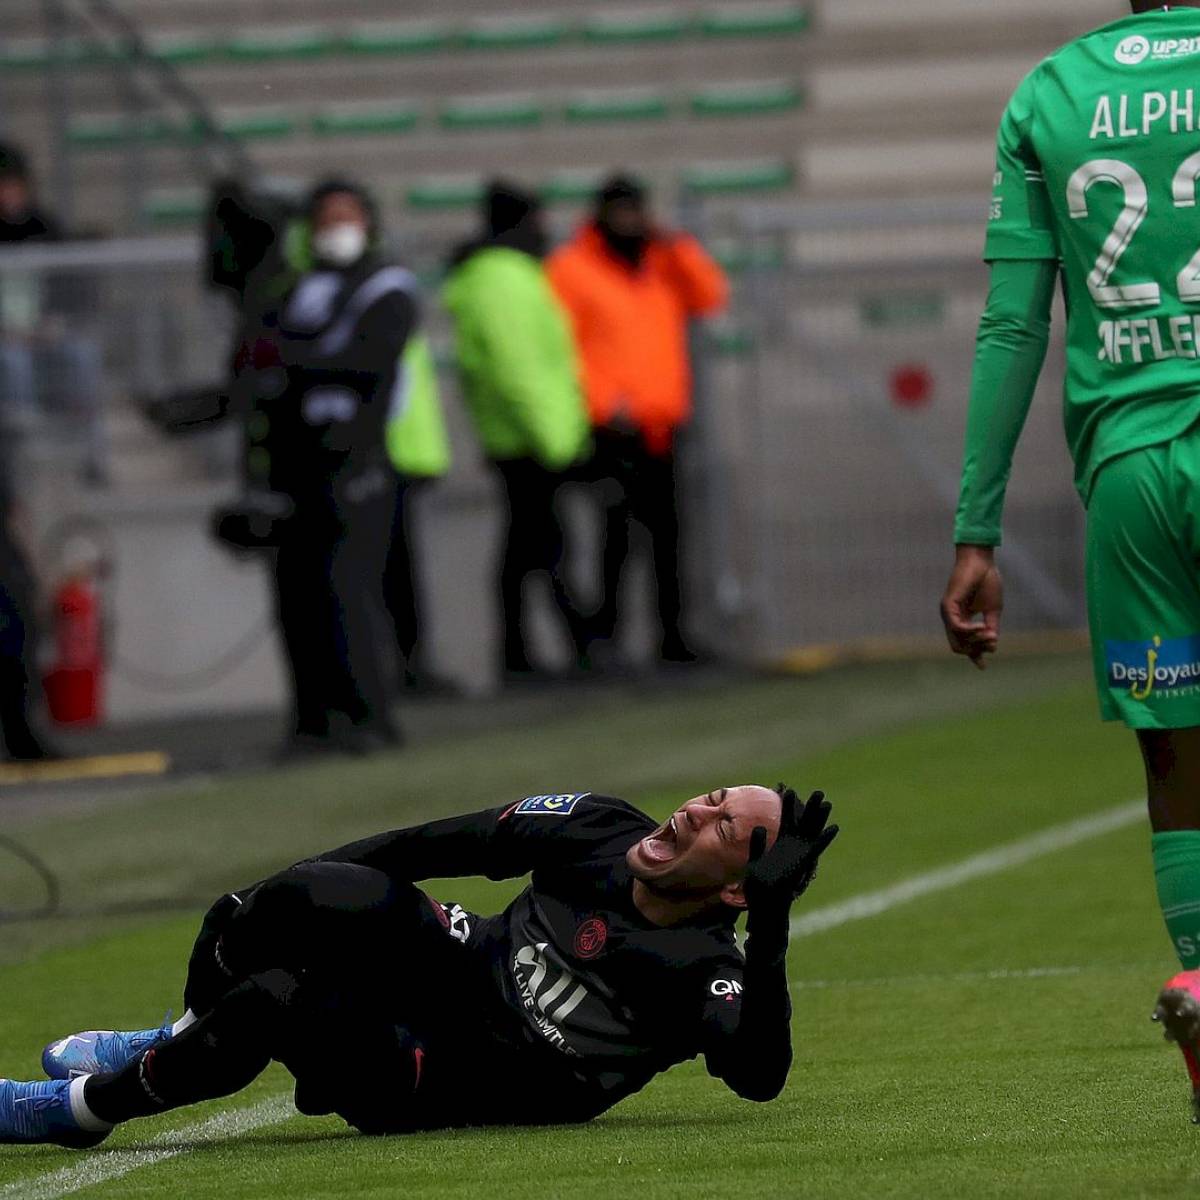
(101, 766)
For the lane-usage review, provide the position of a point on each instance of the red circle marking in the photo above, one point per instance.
(590, 938)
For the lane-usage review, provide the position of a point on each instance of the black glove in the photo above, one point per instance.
(774, 880)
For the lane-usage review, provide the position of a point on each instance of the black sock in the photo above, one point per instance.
(220, 1054)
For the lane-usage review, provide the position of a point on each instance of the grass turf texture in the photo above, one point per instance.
(992, 1040)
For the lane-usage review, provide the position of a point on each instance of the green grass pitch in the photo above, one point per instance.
(988, 1040)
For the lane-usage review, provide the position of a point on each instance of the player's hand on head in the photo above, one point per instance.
(975, 590)
(776, 877)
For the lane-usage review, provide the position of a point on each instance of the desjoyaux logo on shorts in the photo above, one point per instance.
(1166, 667)
(1132, 50)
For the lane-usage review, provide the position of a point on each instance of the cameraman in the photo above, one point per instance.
(321, 410)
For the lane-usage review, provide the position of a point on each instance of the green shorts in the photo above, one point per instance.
(1143, 585)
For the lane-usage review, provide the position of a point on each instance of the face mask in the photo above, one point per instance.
(340, 245)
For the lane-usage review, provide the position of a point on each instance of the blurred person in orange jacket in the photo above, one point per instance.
(631, 287)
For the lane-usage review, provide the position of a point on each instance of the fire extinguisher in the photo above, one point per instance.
(74, 683)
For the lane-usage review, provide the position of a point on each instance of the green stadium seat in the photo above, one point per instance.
(281, 44)
(24, 56)
(446, 192)
(416, 38)
(737, 258)
(379, 119)
(718, 178)
(571, 187)
(516, 34)
(767, 21)
(652, 27)
(185, 206)
(747, 99)
(490, 112)
(258, 126)
(107, 133)
(183, 50)
(632, 104)
(729, 341)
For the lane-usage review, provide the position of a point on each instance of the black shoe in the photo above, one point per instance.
(677, 652)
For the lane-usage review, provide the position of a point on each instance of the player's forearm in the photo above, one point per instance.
(453, 848)
(1011, 348)
(754, 1060)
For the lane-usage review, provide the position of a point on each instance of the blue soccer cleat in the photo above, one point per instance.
(99, 1051)
(42, 1112)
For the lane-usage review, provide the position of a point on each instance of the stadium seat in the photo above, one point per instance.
(391, 118)
(258, 125)
(651, 27)
(737, 258)
(628, 104)
(706, 179)
(184, 50)
(106, 133)
(730, 341)
(24, 55)
(445, 193)
(766, 21)
(515, 34)
(747, 99)
(571, 187)
(276, 44)
(417, 38)
(185, 206)
(490, 112)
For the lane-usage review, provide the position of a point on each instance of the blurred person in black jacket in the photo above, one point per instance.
(318, 433)
(17, 630)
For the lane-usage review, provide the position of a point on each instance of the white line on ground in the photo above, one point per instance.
(990, 862)
(999, 975)
(99, 1167)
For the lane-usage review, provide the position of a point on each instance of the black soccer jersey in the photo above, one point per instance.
(576, 963)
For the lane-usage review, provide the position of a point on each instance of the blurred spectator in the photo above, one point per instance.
(521, 385)
(48, 364)
(322, 414)
(420, 452)
(631, 287)
(17, 634)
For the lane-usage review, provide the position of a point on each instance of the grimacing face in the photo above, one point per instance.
(704, 845)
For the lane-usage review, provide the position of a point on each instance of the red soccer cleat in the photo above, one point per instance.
(1178, 1011)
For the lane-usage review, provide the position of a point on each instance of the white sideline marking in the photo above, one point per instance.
(990, 862)
(998, 975)
(99, 1167)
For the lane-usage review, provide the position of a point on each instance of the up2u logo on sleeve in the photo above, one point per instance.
(556, 805)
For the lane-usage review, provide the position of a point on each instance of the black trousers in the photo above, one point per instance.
(636, 486)
(358, 986)
(17, 642)
(533, 543)
(329, 595)
(402, 585)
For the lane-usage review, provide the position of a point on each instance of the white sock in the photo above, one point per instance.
(189, 1018)
(84, 1117)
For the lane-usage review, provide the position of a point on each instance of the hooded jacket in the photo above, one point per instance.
(516, 357)
(631, 326)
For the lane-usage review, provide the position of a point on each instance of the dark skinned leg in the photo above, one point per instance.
(1172, 761)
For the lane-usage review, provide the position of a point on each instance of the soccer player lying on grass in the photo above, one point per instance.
(1097, 170)
(399, 1013)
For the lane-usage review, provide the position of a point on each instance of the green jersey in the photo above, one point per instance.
(1098, 168)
